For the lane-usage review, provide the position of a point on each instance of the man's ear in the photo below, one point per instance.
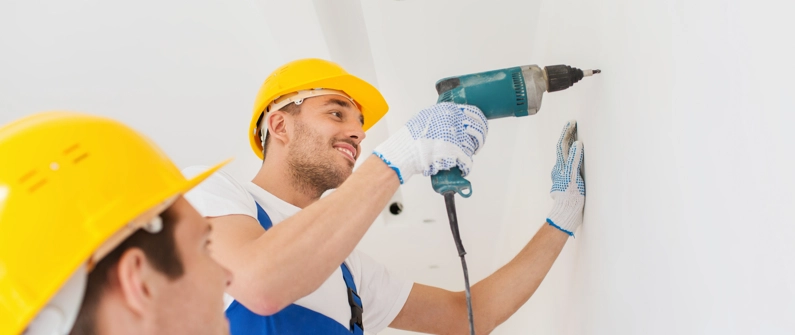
(138, 281)
(277, 126)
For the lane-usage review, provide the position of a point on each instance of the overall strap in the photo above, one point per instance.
(355, 302)
(356, 324)
(263, 218)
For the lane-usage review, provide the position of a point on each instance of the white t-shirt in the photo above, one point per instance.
(383, 294)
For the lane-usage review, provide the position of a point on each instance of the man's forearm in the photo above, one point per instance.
(497, 297)
(307, 247)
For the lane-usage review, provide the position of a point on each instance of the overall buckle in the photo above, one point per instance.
(356, 309)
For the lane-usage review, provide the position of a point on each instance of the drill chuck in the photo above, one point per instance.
(561, 77)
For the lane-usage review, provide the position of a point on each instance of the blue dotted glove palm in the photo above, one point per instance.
(568, 187)
(439, 137)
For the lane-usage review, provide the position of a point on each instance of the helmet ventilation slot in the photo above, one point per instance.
(72, 149)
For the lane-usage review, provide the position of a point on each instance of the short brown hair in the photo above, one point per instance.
(160, 249)
(291, 109)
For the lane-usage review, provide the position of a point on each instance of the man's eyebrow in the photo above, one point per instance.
(340, 102)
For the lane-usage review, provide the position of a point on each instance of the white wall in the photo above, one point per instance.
(689, 169)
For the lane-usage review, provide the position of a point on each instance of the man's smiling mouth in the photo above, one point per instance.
(347, 150)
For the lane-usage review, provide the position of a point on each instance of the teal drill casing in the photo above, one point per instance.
(498, 94)
(511, 92)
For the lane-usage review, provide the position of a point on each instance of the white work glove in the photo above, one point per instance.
(438, 138)
(568, 187)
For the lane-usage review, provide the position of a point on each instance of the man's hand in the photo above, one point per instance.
(568, 187)
(438, 138)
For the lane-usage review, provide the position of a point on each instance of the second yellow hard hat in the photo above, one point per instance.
(69, 183)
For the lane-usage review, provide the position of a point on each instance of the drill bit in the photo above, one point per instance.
(588, 73)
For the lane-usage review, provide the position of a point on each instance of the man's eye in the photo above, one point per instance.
(337, 114)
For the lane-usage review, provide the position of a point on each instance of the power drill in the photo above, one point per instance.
(515, 91)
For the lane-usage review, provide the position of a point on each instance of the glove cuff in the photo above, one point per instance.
(566, 214)
(399, 153)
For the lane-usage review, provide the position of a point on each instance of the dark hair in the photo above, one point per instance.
(160, 249)
(291, 109)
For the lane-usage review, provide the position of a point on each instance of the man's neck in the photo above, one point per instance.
(275, 179)
(114, 318)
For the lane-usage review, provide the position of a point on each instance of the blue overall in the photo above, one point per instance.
(294, 319)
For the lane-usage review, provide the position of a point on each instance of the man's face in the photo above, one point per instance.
(193, 303)
(325, 143)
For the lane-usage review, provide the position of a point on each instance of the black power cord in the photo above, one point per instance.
(449, 201)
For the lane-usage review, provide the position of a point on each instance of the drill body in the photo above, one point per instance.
(515, 91)
(511, 92)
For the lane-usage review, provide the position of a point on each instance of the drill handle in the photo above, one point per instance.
(448, 181)
(451, 181)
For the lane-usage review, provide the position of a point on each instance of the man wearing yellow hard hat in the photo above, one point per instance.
(95, 236)
(303, 275)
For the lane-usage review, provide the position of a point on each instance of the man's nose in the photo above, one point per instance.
(355, 132)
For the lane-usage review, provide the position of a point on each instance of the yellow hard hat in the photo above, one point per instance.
(312, 73)
(70, 182)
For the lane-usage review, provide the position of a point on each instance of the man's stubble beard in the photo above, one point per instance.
(312, 165)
